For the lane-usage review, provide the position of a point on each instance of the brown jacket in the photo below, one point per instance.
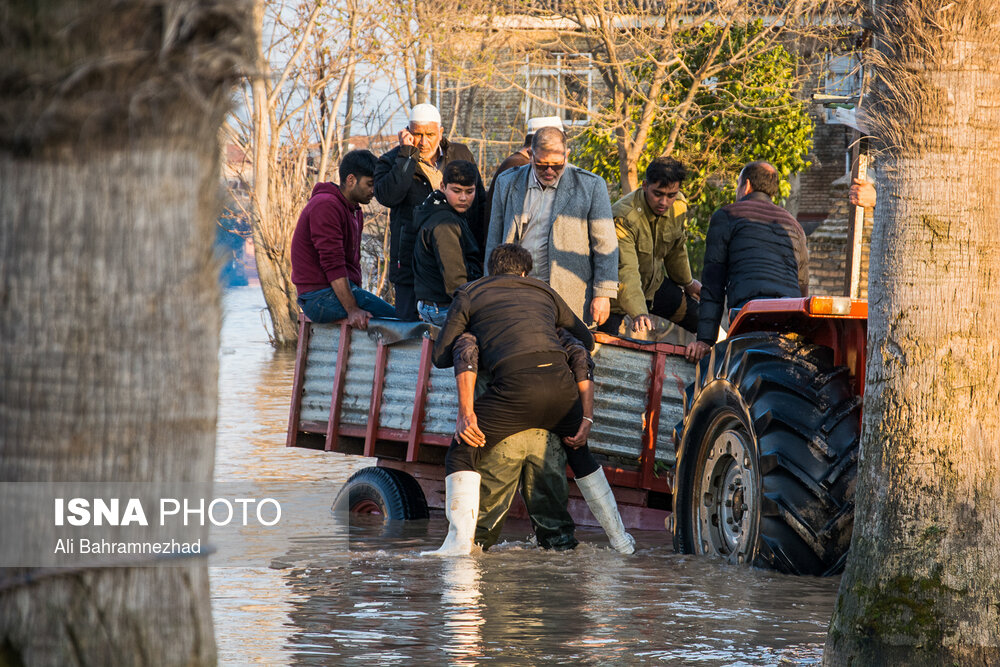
(650, 248)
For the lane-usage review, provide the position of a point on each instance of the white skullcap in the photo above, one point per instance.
(425, 113)
(537, 123)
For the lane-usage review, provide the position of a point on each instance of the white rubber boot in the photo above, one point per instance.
(597, 492)
(461, 491)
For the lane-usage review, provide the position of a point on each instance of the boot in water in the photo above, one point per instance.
(462, 509)
(597, 492)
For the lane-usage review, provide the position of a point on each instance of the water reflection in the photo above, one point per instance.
(381, 603)
(461, 610)
(522, 605)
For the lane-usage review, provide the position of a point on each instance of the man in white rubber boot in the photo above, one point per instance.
(545, 515)
(515, 320)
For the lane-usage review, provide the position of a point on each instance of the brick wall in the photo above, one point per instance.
(827, 158)
(493, 129)
(828, 248)
(492, 126)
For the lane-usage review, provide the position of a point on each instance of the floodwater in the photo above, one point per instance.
(385, 605)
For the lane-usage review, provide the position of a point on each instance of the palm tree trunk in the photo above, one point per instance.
(109, 304)
(922, 585)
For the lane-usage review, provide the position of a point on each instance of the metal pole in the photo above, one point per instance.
(856, 218)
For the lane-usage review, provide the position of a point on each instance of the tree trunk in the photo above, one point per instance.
(273, 267)
(109, 304)
(922, 585)
(279, 291)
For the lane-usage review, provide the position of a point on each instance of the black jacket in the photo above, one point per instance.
(445, 256)
(754, 249)
(465, 355)
(400, 187)
(509, 316)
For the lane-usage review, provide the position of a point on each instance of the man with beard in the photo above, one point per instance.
(404, 177)
(326, 248)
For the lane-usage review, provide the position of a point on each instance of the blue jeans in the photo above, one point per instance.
(323, 305)
(432, 313)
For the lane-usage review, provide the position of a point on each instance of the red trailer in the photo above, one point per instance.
(376, 394)
(767, 428)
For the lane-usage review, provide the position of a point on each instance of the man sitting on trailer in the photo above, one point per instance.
(326, 248)
(514, 318)
(754, 249)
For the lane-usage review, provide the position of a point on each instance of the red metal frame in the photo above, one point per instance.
(375, 409)
(651, 420)
(298, 381)
(371, 432)
(665, 348)
(337, 393)
(416, 433)
(644, 478)
(845, 334)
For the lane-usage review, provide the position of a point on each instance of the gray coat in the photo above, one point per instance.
(583, 247)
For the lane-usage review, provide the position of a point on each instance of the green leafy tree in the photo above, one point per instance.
(748, 111)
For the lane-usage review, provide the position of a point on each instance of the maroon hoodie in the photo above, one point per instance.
(326, 244)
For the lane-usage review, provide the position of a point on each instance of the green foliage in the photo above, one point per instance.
(746, 112)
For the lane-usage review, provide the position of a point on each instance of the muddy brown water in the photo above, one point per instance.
(382, 604)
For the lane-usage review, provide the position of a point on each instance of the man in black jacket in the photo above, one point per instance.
(404, 177)
(446, 255)
(514, 319)
(754, 249)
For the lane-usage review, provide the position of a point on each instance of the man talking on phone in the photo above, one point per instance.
(404, 177)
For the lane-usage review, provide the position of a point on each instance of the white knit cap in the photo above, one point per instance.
(537, 123)
(425, 113)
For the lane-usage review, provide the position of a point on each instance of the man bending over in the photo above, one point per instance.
(515, 319)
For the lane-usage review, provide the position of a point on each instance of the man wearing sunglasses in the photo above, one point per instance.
(561, 214)
(654, 273)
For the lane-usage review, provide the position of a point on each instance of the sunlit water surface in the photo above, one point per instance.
(385, 605)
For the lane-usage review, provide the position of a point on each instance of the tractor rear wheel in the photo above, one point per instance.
(768, 458)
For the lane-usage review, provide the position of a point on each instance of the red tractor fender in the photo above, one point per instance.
(837, 322)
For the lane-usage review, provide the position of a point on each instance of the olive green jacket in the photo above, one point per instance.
(649, 249)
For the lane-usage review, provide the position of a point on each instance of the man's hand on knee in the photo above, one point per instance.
(693, 289)
(467, 430)
(358, 318)
(642, 323)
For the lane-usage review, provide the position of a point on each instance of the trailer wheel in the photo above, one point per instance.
(768, 456)
(386, 492)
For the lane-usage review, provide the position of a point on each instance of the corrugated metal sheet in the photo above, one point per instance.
(622, 376)
(321, 365)
(622, 379)
(441, 409)
(358, 382)
(678, 373)
(399, 391)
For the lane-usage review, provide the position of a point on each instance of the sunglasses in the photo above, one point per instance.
(550, 167)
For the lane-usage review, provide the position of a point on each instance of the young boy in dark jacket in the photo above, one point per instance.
(446, 255)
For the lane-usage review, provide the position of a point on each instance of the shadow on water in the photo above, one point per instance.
(381, 603)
